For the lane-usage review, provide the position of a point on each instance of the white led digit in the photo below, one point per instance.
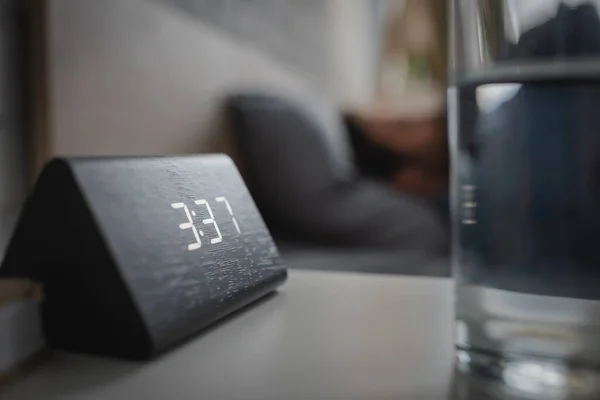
(188, 225)
(210, 220)
(224, 200)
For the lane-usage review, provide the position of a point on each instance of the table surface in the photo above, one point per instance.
(324, 335)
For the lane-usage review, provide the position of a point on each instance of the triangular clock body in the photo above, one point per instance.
(138, 254)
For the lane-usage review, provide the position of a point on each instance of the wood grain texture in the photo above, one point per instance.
(119, 277)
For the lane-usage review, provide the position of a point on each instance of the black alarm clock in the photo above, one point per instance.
(138, 254)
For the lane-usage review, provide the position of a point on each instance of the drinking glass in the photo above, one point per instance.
(524, 125)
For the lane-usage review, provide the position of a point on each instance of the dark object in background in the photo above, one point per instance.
(573, 32)
(15, 116)
(371, 159)
(138, 254)
(410, 153)
(299, 169)
(293, 153)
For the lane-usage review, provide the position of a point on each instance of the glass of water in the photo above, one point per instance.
(524, 122)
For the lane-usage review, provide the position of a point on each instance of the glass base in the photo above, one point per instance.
(524, 346)
(507, 322)
(485, 375)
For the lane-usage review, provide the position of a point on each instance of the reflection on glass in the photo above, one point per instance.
(523, 379)
(488, 33)
(526, 198)
(490, 97)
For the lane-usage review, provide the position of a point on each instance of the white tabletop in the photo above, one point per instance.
(323, 336)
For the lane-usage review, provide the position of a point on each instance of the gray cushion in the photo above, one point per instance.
(301, 176)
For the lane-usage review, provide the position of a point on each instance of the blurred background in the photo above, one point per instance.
(333, 110)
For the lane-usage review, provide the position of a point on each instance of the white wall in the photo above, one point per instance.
(137, 77)
(355, 50)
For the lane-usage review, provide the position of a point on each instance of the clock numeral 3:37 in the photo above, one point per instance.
(207, 221)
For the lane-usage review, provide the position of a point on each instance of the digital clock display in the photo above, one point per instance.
(190, 224)
(159, 247)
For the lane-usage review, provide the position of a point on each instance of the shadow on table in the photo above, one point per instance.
(67, 381)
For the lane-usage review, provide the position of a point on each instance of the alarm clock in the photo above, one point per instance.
(138, 254)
